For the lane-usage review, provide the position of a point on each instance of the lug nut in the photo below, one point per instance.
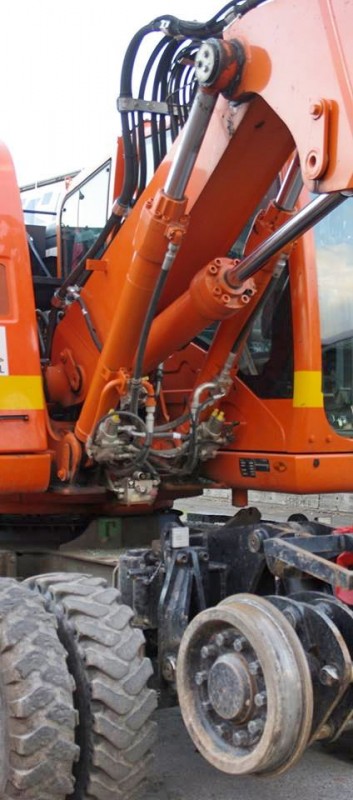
(256, 726)
(223, 730)
(208, 650)
(240, 738)
(200, 677)
(260, 699)
(329, 675)
(254, 667)
(224, 638)
(239, 643)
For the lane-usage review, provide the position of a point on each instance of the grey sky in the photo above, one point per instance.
(60, 64)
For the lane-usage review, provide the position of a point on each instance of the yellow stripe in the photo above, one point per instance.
(21, 393)
(307, 389)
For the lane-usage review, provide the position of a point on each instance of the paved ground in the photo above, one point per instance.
(180, 773)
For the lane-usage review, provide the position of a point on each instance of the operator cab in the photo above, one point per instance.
(82, 216)
(61, 225)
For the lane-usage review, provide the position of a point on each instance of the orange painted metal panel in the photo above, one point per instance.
(21, 390)
(24, 473)
(301, 474)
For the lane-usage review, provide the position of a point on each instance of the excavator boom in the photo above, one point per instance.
(192, 327)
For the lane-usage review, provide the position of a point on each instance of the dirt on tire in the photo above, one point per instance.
(37, 718)
(106, 658)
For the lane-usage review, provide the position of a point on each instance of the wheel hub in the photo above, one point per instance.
(229, 687)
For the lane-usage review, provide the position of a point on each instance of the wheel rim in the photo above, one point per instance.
(244, 687)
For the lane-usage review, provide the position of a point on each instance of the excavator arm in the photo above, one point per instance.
(163, 271)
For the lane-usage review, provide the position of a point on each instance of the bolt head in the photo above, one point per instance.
(260, 699)
(219, 639)
(329, 675)
(256, 726)
(208, 650)
(255, 542)
(316, 109)
(240, 738)
(254, 667)
(239, 644)
(200, 677)
(223, 730)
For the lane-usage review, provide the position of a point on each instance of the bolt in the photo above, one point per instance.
(256, 540)
(260, 699)
(256, 726)
(329, 675)
(316, 110)
(182, 558)
(200, 677)
(224, 638)
(223, 730)
(208, 650)
(254, 667)
(206, 705)
(239, 643)
(169, 668)
(240, 738)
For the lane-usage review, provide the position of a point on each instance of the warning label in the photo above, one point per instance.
(4, 364)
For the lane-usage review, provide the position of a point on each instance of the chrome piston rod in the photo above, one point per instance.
(192, 138)
(296, 226)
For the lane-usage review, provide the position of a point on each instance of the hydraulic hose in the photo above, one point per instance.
(168, 261)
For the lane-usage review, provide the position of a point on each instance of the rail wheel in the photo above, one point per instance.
(106, 658)
(37, 718)
(244, 687)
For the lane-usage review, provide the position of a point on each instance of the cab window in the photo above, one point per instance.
(83, 215)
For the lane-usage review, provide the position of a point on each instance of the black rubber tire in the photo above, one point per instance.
(37, 717)
(106, 658)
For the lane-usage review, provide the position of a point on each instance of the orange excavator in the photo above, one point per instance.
(188, 325)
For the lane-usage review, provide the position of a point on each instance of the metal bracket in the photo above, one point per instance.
(280, 553)
(317, 154)
(132, 104)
